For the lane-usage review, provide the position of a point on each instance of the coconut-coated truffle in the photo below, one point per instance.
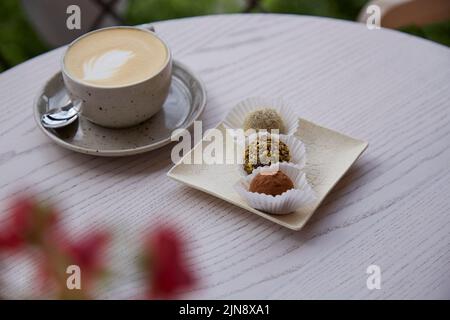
(266, 118)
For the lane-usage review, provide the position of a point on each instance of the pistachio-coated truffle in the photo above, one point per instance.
(272, 184)
(256, 157)
(266, 118)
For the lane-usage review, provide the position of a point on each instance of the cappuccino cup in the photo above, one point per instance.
(120, 76)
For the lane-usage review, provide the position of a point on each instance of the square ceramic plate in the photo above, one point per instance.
(329, 155)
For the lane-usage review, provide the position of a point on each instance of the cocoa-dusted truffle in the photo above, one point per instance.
(255, 158)
(266, 118)
(271, 184)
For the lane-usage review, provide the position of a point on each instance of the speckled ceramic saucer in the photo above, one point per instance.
(185, 103)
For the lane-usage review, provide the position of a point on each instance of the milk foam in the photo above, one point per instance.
(105, 65)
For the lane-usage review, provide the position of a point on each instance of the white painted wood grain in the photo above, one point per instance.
(392, 209)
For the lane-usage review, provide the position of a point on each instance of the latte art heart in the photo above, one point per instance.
(105, 65)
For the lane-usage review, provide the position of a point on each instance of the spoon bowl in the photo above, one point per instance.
(62, 116)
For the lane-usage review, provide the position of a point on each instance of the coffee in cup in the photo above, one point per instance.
(121, 75)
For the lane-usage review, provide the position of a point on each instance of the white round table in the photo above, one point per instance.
(392, 209)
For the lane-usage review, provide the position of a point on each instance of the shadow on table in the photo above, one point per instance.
(142, 164)
(337, 199)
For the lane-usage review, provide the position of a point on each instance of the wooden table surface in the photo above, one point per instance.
(392, 208)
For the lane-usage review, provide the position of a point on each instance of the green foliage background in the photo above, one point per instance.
(18, 41)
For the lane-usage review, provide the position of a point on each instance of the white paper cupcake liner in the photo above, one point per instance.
(287, 202)
(296, 147)
(235, 118)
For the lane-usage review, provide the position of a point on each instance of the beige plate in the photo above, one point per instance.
(185, 103)
(329, 155)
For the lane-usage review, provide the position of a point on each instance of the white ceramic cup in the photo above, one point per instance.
(123, 106)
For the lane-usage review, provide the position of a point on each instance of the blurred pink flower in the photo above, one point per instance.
(28, 223)
(165, 264)
(31, 225)
(88, 254)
